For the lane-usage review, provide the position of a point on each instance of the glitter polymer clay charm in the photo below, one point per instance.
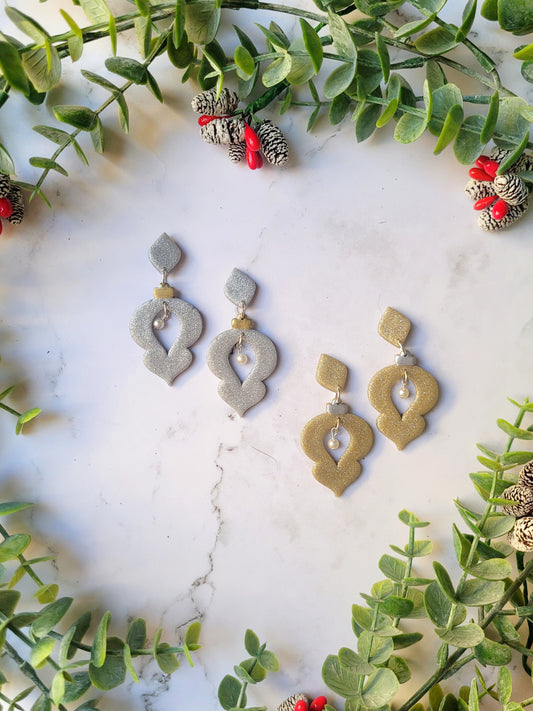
(240, 290)
(401, 428)
(153, 316)
(332, 374)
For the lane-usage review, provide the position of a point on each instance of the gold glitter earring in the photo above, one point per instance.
(332, 374)
(394, 327)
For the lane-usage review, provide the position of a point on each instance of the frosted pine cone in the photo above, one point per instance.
(273, 143)
(236, 152)
(523, 495)
(17, 201)
(525, 478)
(223, 130)
(207, 103)
(521, 536)
(5, 184)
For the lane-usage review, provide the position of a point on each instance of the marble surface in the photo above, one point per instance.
(159, 501)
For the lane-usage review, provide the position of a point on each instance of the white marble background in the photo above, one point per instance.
(157, 500)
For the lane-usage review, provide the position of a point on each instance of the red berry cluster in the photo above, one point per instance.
(6, 209)
(316, 705)
(486, 170)
(253, 147)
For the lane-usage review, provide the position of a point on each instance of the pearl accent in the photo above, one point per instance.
(333, 443)
(404, 393)
(241, 358)
(159, 323)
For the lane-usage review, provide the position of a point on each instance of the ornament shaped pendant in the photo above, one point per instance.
(241, 396)
(394, 327)
(332, 374)
(153, 316)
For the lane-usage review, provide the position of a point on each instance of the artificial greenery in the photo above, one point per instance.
(78, 663)
(474, 614)
(232, 689)
(22, 417)
(347, 59)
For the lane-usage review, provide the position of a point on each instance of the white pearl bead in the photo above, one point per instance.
(403, 393)
(333, 443)
(159, 323)
(242, 358)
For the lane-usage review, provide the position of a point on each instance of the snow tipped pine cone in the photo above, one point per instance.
(290, 703)
(207, 103)
(521, 536)
(5, 184)
(525, 478)
(273, 143)
(17, 201)
(236, 152)
(523, 495)
(223, 130)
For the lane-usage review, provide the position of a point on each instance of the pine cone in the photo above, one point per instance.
(207, 103)
(5, 184)
(223, 130)
(273, 143)
(236, 152)
(17, 201)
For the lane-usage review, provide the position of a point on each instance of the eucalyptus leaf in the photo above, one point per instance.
(444, 581)
(513, 126)
(497, 524)
(492, 569)
(438, 606)
(229, 691)
(99, 646)
(41, 650)
(302, 66)
(436, 42)
(13, 546)
(50, 616)
(28, 25)
(78, 684)
(202, 18)
(339, 80)
(450, 129)
(277, 70)
(342, 38)
(393, 96)
(97, 11)
(9, 600)
(112, 671)
(373, 649)
(312, 44)
(12, 69)
(406, 639)
(469, 635)
(516, 16)
(366, 122)
(42, 67)
(480, 592)
(341, 680)
(352, 660)
(339, 108)
(504, 686)
(244, 61)
(47, 164)
(400, 668)
(492, 653)
(393, 568)
(78, 116)
(467, 148)
(380, 688)
(130, 69)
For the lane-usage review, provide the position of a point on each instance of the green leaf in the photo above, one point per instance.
(445, 98)
(40, 651)
(380, 688)
(410, 127)
(492, 569)
(450, 129)
(13, 546)
(81, 626)
(277, 70)
(489, 10)
(373, 649)
(136, 637)
(444, 581)
(28, 25)
(469, 15)
(154, 86)
(524, 53)
(480, 592)
(129, 664)
(505, 629)
(8, 601)
(417, 598)
(438, 606)
(527, 72)
(96, 10)
(229, 691)
(99, 647)
(342, 38)
(9, 507)
(76, 687)
(183, 55)
(50, 616)
(406, 639)
(516, 16)
(127, 68)
(339, 80)
(268, 661)
(393, 97)
(492, 653)
(31, 414)
(366, 122)
(302, 68)
(178, 27)
(468, 146)
(78, 116)
(342, 681)
(244, 60)
(42, 68)
(397, 606)
(339, 108)
(491, 119)
(436, 695)
(369, 73)
(143, 7)
(516, 458)
(113, 670)
(400, 668)
(313, 118)
(167, 661)
(192, 635)
(352, 660)
(312, 44)
(512, 125)
(419, 549)
(202, 18)
(504, 686)
(6, 162)
(515, 154)
(57, 688)
(46, 164)
(12, 69)
(43, 703)
(392, 568)
(469, 635)
(47, 593)
(436, 41)
(497, 524)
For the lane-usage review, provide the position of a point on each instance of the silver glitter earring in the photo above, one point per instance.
(240, 290)
(153, 316)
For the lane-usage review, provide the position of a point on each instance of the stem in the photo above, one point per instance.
(33, 575)
(28, 671)
(9, 409)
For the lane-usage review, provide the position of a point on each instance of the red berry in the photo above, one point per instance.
(1, 227)
(500, 209)
(480, 162)
(204, 120)
(6, 208)
(491, 168)
(318, 704)
(485, 202)
(301, 705)
(479, 174)
(252, 139)
(254, 159)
